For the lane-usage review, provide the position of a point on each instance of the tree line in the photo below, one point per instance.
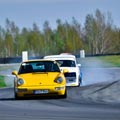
(98, 36)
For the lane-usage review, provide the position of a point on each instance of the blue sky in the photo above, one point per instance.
(25, 12)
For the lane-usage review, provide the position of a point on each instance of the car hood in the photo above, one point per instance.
(36, 79)
(70, 69)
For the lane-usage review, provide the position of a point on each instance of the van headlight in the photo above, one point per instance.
(59, 80)
(20, 81)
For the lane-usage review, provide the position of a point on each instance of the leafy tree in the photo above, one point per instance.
(98, 33)
(90, 33)
(77, 36)
(12, 31)
(47, 38)
(1, 42)
(98, 36)
(115, 41)
(8, 43)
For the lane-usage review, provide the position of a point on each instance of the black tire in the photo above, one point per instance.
(80, 81)
(78, 85)
(65, 95)
(15, 96)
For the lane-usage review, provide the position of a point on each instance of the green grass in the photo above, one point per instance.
(2, 83)
(113, 60)
(103, 61)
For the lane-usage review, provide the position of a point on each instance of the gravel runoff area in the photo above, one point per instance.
(108, 92)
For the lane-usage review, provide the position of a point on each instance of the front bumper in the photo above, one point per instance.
(40, 91)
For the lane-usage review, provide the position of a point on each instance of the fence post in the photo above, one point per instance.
(24, 56)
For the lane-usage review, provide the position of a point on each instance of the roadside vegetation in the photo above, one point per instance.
(101, 61)
(113, 60)
(2, 83)
(98, 35)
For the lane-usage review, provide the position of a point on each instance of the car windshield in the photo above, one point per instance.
(38, 66)
(66, 63)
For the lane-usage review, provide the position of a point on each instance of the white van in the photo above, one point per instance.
(68, 61)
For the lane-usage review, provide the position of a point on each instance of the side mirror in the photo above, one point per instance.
(79, 65)
(65, 71)
(14, 72)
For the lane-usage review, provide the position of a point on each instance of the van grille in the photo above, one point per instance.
(72, 74)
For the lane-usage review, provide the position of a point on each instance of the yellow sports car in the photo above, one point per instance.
(39, 78)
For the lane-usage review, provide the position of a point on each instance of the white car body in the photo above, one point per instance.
(73, 77)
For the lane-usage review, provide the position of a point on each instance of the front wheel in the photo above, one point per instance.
(16, 96)
(65, 95)
(80, 79)
(79, 82)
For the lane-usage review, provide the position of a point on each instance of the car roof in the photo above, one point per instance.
(60, 57)
(35, 60)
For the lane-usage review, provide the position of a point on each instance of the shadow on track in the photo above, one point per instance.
(8, 95)
(32, 98)
(6, 99)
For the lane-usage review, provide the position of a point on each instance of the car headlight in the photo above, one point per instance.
(20, 81)
(59, 80)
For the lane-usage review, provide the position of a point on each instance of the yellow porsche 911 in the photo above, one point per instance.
(39, 78)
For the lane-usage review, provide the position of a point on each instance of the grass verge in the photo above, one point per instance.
(2, 83)
(103, 61)
(113, 60)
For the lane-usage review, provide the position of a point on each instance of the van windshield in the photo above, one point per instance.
(66, 63)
